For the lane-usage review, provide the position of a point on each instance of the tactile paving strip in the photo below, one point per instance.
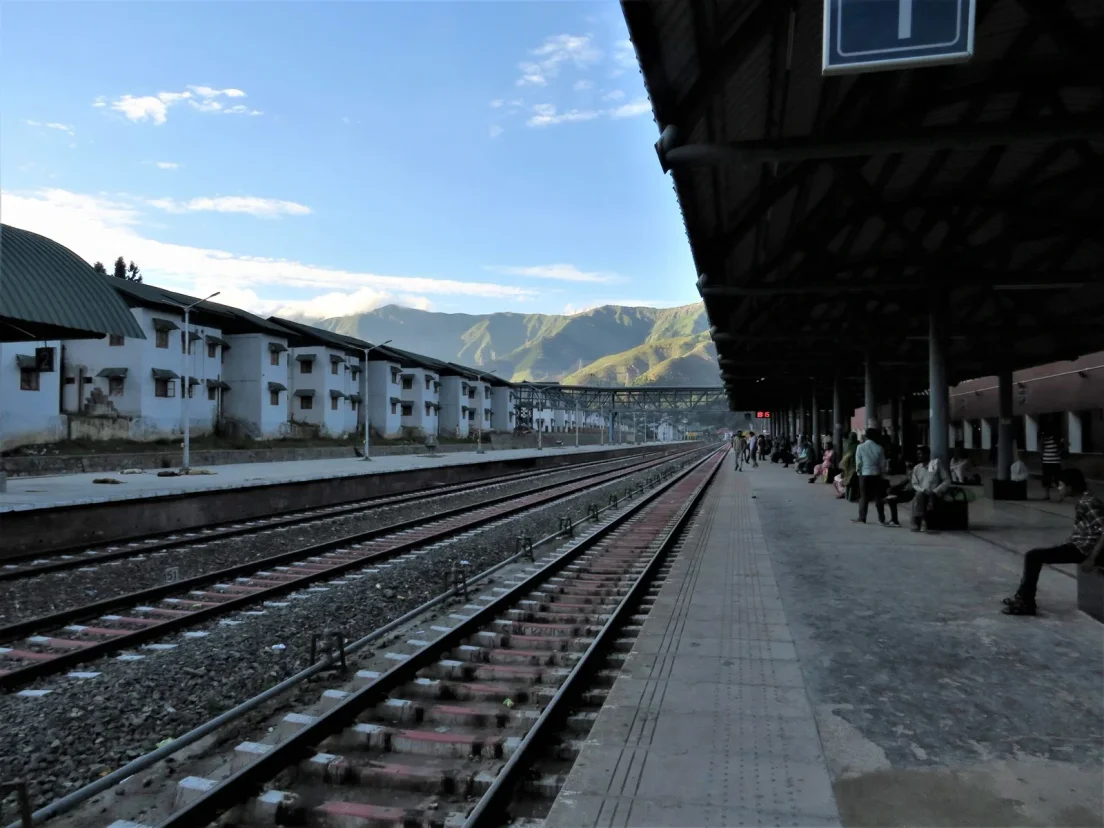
(709, 723)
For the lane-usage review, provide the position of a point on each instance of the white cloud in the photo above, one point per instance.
(66, 128)
(559, 272)
(571, 309)
(155, 108)
(613, 95)
(495, 130)
(641, 106)
(99, 228)
(259, 207)
(624, 57)
(497, 103)
(208, 92)
(337, 303)
(167, 165)
(100, 102)
(582, 85)
(556, 52)
(546, 115)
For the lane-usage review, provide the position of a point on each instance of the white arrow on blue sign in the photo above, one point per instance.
(873, 35)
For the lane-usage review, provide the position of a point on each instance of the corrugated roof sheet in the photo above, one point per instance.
(44, 283)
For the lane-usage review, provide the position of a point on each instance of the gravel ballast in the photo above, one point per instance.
(87, 727)
(45, 594)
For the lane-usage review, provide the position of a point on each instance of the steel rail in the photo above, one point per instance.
(295, 517)
(146, 761)
(66, 660)
(250, 779)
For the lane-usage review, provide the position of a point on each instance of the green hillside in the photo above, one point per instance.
(606, 345)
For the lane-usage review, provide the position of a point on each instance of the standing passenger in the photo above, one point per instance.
(1052, 462)
(870, 466)
(739, 447)
(753, 448)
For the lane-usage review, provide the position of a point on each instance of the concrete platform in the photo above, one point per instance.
(78, 489)
(801, 670)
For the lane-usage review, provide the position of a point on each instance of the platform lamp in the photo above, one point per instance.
(367, 410)
(185, 388)
(479, 428)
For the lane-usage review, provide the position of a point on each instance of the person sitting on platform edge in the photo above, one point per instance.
(870, 466)
(963, 471)
(1085, 545)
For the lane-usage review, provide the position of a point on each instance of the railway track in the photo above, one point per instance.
(479, 726)
(57, 643)
(35, 564)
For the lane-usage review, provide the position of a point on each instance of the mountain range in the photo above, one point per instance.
(610, 345)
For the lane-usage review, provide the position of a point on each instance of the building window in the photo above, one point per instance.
(273, 397)
(115, 386)
(212, 350)
(333, 403)
(88, 380)
(70, 380)
(28, 379)
(306, 366)
(212, 394)
(427, 383)
(191, 346)
(393, 408)
(408, 383)
(191, 392)
(471, 416)
(407, 409)
(115, 340)
(162, 339)
(306, 403)
(333, 368)
(273, 357)
(164, 388)
(353, 404)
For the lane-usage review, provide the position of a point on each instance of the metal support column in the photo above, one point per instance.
(938, 391)
(837, 417)
(1004, 429)
(817, 442)
(895, 418)
(870, 399)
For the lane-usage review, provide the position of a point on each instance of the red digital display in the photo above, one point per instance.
(763, 415)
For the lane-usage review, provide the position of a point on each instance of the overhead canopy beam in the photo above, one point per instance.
(978, 136)
(1010, 281)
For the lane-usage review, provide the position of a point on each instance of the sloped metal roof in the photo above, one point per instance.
(227, 319)
(826, 215)
(48, 292)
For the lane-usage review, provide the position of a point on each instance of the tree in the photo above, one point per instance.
(122, 271)
(99, 268)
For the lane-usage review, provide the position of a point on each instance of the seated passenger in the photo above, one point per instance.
(927, 481)
(846, 479)
(963, 471)
(1085, 545)
(823, 470)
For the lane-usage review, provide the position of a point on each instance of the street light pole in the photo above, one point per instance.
(367, 410)
(576, 423)
(185, 388)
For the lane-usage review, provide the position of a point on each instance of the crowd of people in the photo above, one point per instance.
(862, 472)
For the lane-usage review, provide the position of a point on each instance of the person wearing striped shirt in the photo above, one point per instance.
(1052, 462)
(1085, 545)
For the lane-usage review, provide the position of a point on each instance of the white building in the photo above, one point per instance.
(503, 412)
(419, 392)
(30, 387)
(256, 370)
(324, 381)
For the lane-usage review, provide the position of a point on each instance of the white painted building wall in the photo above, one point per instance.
(354, 403)
(256, 369)
(326, 383)
(29, 417)
(151, 416)
(384, 389)
(502, 407)
(417, 390)
(454, 406)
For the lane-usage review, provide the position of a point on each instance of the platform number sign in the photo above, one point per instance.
(874, 35)
(763, 415)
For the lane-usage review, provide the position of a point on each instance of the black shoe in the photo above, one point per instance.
(1018, 606)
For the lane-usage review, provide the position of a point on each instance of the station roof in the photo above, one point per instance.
(227, 319)
(49, 292)
(306, 336)
(826, 214)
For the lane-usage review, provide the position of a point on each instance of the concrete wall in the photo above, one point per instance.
(30, 417)
(454, 399)
(384, 384)
(502, 406)
(328, 375)
(422, 399)
(248, 370)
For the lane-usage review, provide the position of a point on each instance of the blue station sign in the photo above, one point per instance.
(874, 35)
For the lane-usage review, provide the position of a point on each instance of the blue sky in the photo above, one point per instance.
(325, 158)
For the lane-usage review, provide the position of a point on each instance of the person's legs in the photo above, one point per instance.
(1023, 602)
(864, 497)
(879, 497)
(920, 510)
(892, 504)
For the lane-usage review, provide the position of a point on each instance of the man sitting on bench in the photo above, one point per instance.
(1085, 545)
